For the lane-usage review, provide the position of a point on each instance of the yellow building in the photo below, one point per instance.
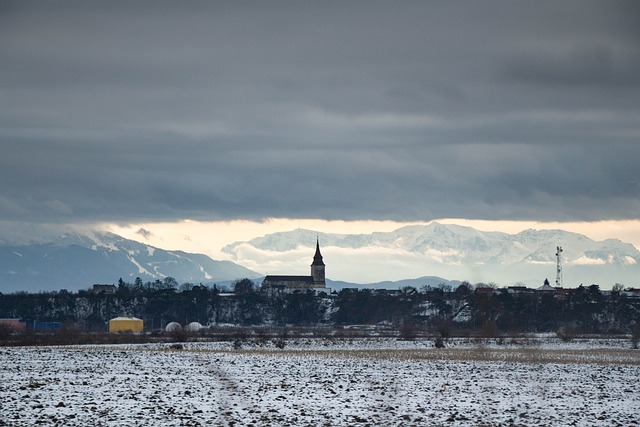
(121, 324)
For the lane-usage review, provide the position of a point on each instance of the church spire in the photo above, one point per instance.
(317, 268)
(317, 258)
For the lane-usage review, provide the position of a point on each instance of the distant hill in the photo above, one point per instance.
(75, 261)
(418, 283)
(463, 253)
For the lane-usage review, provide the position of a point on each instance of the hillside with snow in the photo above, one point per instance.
(76, 261)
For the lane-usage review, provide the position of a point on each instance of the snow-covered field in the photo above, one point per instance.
(324, 383)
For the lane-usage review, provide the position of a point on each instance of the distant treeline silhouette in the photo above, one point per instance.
(437, 310)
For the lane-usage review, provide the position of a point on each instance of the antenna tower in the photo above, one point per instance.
(559, 266)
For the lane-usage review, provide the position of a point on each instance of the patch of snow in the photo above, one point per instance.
(207, 276)
(100, 241)
(156, 273)
(141, 269)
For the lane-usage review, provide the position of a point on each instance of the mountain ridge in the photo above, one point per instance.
(464, 253)
(75, 261)
(418, 238)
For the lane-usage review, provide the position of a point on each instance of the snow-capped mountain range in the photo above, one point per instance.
(463, 253)
(76, 261)
(384, 259)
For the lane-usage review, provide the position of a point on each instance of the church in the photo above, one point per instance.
(314, 282)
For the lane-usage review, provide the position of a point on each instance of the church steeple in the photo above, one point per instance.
(317, 258)
(317, 267)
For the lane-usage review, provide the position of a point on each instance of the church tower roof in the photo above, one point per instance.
(317, 258)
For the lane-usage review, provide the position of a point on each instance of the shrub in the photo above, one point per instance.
(565, 333)
(443, 326)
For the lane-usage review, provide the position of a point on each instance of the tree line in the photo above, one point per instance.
(440, 309)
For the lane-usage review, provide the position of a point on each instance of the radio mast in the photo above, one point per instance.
(559, 266)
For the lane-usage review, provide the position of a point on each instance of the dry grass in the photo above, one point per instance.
(480, 353)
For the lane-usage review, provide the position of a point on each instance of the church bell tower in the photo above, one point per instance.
(317, 268)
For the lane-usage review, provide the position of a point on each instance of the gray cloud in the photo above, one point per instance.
(146, 234)
(154, 110)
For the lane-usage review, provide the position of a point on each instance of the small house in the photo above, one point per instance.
(122, 324)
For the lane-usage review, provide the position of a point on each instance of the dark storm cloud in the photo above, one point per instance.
(164, 110)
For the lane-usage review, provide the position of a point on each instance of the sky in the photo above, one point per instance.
(243, 114)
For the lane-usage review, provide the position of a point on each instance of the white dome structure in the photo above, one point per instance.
(173, 327)
(193, 327)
